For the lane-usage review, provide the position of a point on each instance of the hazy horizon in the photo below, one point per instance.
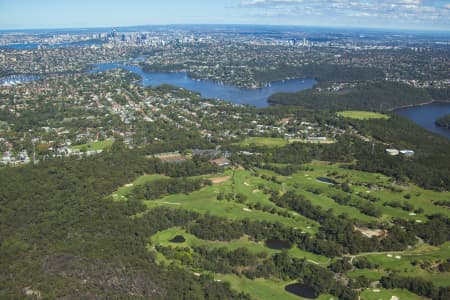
(143, 26)
(423, 15)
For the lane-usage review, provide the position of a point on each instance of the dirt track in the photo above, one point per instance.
(218, 180)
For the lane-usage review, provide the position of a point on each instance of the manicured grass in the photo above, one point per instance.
(243, 182)
(403, 265)
(205, 201)
(164, 237)
(100, 145)
(362, 115)
(307, 180)
(315, 258)
(264, 142)
(373, 275)
(251, 185)
(383, 294)
(374, 184)
(263, 289)
(248, 185)
(258, 288)
(419, 198)
(123, 191)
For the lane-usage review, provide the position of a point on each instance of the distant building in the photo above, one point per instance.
(317, 138)
(392, 152)
(289, 135)
(23, 156)
(407, 152)
(171, 157)
(6, 159)
(206, 152)
(249, 153)
(221, 162)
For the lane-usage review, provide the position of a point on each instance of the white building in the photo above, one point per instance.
(407, 152)
(392, 152)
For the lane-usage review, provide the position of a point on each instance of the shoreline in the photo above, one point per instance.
(444, 126)
(228, 83)
(137, 69)
(419, 104)
(428, 122)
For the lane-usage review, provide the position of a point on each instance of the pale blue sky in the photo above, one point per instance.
(407, 14)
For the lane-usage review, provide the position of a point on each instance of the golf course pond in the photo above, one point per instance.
(301, 290)
(178, 239)
(326, 180)
(277, 244)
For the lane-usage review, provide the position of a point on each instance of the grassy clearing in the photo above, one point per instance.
(384, 294)
(258, 288)
(164, 237)
(251, 186)
(100, 145)
(374, 184)
(263, 289)
(305, 180)
(419, 198)
(248, 185)
(123, 191)
(263, 142)
(314, 258)
(242, 182)
(373, 275)
(402, 262)
(204, 201)
(362, 115)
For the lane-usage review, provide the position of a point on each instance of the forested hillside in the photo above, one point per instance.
(370, 95)
(61, 236)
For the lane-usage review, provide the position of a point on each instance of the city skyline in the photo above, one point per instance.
(389, 14)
